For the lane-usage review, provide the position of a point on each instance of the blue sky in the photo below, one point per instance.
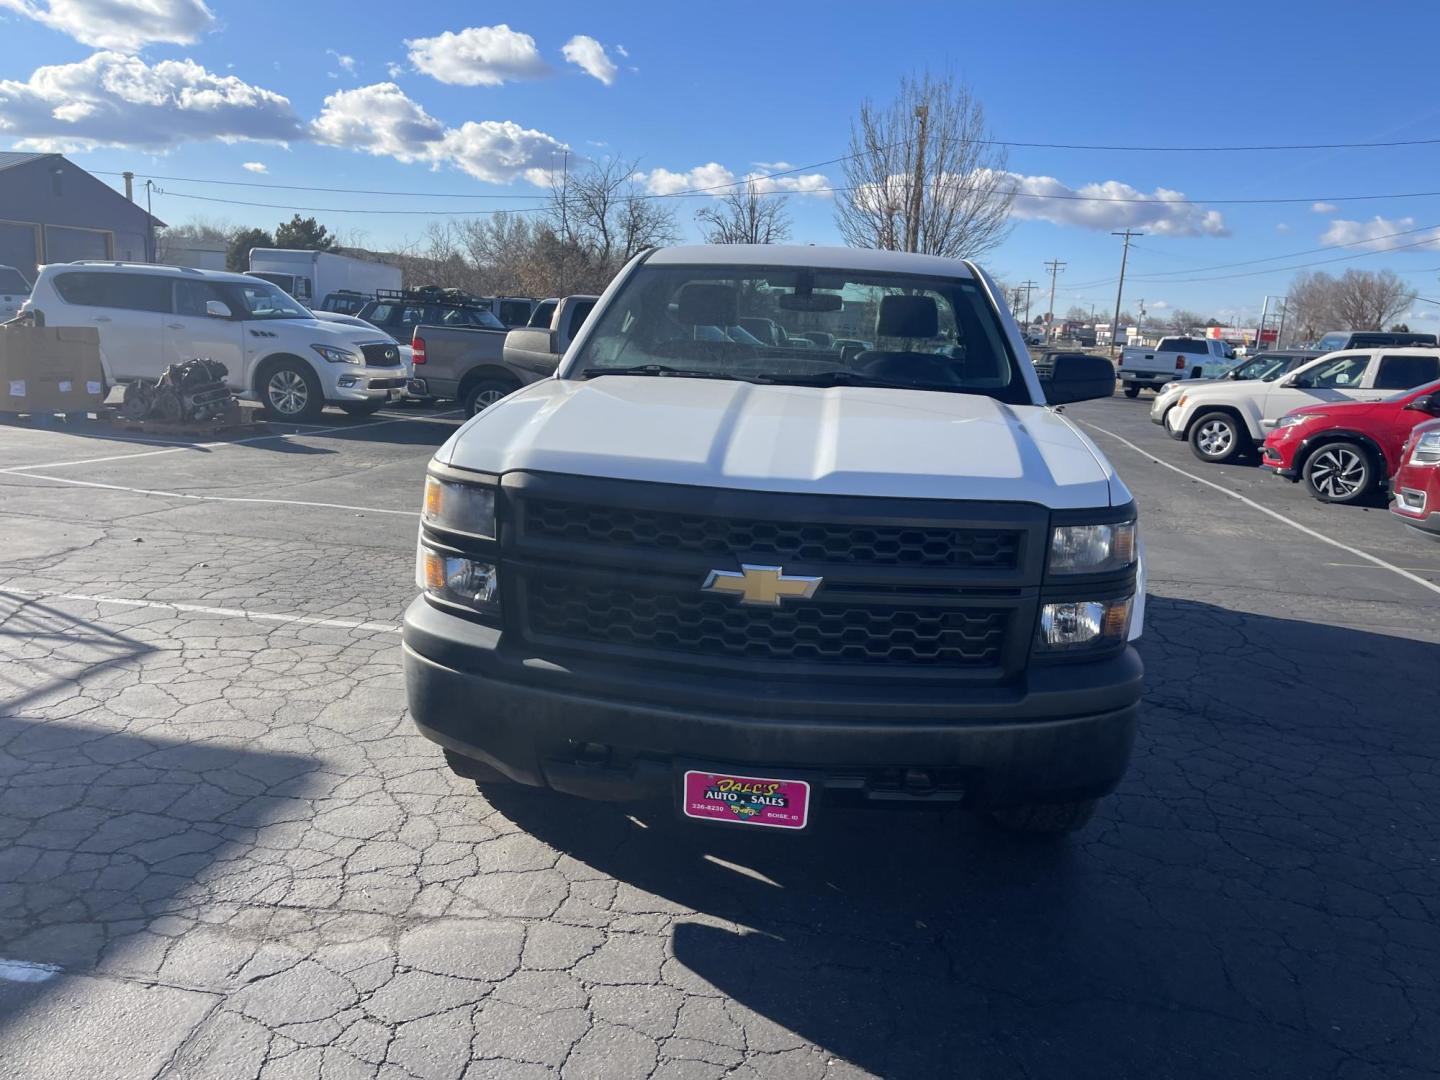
(325, 94)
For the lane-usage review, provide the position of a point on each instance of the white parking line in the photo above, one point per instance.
(19, 471)
(310, 430)
(1372, 559)
(200, 609)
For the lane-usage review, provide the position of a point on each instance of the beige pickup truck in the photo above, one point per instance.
(478, 367)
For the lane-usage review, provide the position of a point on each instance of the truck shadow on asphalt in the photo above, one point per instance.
(101, 829)
(1258, 898)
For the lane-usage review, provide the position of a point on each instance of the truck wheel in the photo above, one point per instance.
(470, 769)
(289, 390)
(1340, 472)
(1216, 437)
(364, 408)
(484, 394)
(1046, 818)
(1132, 391)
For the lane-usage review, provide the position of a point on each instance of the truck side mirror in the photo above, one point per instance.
(1077, 377)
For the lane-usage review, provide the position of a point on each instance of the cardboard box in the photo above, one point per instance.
(50, 369)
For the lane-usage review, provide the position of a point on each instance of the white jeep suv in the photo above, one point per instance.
(275, 351)
(1223, 420)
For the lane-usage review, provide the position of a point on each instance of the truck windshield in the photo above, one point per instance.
(804, 327)
(265, 301)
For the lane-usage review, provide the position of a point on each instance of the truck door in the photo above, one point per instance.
(191, 332)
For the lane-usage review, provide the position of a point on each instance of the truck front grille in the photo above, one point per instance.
(867, 545)
(834, 631)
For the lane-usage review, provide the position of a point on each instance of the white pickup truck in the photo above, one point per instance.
(1174, 358)
(761, 579)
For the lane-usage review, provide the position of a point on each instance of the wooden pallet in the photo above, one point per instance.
(188, 429)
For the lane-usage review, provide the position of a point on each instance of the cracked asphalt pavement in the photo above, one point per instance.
(224, 852)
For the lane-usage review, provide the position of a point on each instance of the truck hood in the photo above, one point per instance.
(841, 441)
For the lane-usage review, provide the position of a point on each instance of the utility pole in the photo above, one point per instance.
(1029, 287)
(1120, 289)
(1055, 266)
(129, 186)
(917, 186)
(151, 254)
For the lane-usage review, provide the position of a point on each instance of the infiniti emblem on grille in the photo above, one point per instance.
(763, 586)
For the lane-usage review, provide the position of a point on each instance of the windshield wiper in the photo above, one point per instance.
(660, 370)
(844, 377)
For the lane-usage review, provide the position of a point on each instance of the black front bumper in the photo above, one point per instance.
(603, 730)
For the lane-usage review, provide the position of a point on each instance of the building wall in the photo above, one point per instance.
(53, 211)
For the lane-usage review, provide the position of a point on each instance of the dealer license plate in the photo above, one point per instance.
(746, 800)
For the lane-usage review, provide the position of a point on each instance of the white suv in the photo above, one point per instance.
(1223, 420)
(275, 350)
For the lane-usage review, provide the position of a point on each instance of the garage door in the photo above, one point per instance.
(70, 245)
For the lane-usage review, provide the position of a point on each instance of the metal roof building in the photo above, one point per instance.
(51, 210)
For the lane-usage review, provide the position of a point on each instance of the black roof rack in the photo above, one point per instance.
(433, 294)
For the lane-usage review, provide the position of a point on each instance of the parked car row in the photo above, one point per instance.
(1346, 423)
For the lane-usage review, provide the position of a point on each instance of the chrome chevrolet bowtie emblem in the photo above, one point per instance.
(764, 586)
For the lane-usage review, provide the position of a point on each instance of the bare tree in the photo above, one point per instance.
(1182, 321)
(1077, 314)
(1368, 299)
(1357, 300)
(924, 174)
(177, 238)
(601, 210)
(745, 217)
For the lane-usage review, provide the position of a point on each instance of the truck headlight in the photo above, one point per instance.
(338, 356)
(457, 579)
(1092, 549)
(1081, 624)
(464, 508)
(1427, 449)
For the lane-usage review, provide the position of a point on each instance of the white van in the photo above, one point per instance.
(276, 351)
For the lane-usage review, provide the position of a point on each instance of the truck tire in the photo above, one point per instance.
(1218, 437)
(471, 769)
(1340, 472)
(1046, 818)
(1132, 391)
(289, 390)
(481, 395)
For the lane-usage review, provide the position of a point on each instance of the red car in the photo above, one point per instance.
(1345, 450)
(1417, 482)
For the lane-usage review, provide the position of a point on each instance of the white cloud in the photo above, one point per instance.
(666, 182)
(1110, 205)
(383, 121)
(499, 151)
(1324, 207)
(394, 70)
(346, 62)
(589, 55)
(110, 99)
(380, 120)
(128, 25)
(623, 51)
(1378, 234)
(1281, 227)
(1158, 305)
(255, 167)
(478, 56)
(715, 179)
